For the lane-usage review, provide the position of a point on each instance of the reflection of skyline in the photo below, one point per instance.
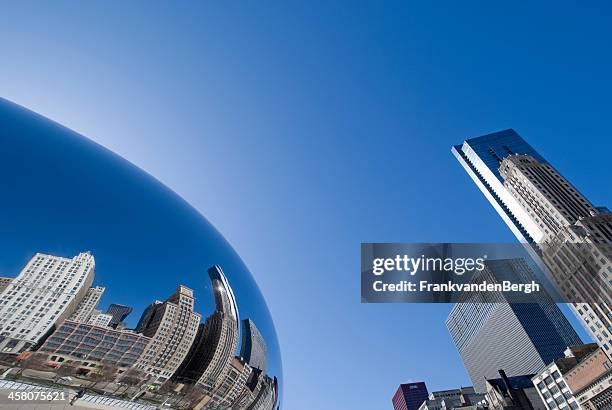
(165, 240)
(168, 342)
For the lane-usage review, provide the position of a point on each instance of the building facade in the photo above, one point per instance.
(4, 282)
(100, 319)
(253, 346)
(566, 235)
(582, 379)
(212, 354)
(575, 239)
(228, 391)
(46, 291)
(481, 157)
(492, 334)
(86, 308)
(118, 313)
(512, 393)
(410, 396)
(172, 326)
(85, 342)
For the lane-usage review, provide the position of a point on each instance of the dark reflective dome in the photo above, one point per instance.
(116, 289)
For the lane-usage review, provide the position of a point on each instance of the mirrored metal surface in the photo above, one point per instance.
(114, 289)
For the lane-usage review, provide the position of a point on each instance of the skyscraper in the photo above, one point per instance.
(481, 158)
(119, 313)
(46, 291)
(211, 355)
(558, 225)
(85, 309)
(576, 239)
(409, 396)
(492, 334)
(172, 326)
(253, 347)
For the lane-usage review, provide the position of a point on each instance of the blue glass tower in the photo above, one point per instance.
(519, 338)
(481, 157)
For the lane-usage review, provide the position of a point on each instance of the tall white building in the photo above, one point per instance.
(46, 291)
(85, 309)
(576, 242)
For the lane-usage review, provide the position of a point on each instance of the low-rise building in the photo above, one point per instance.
(513, 393)
(453, 399)
(581, 379)
(85, 342)
(100, 319)
(557, 382)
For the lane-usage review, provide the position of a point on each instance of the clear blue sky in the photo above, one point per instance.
(302, 129)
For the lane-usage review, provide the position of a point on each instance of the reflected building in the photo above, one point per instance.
(172, 326)
(151, 241)
(46, 291)
(253, 346)
(4, 282)
(85, 309)
(259, 393)
(230, 387)
(118, 313)
(211, 356)
(95, 344)
(100, 319)
(267, 395)
(146, 316)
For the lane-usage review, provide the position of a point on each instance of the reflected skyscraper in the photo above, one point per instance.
(211, 356)
(46, 291)
(172, 326)
(86, 308)
(118, 313)
(253, 346)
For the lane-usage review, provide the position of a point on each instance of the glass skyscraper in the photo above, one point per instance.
(118, 313)
(481, 157)
(567, 236)
(519, 338)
